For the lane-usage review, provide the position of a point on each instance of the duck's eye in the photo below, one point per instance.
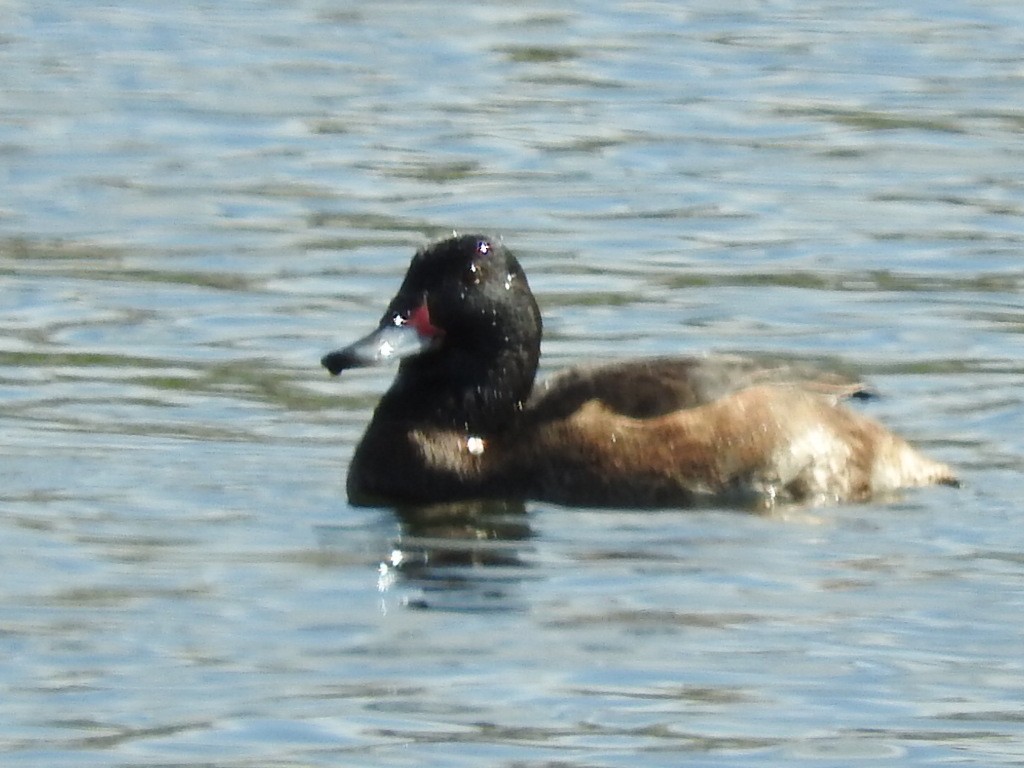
(474, 273)
(478, 264)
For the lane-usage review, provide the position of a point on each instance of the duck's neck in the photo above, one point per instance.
(476, 394)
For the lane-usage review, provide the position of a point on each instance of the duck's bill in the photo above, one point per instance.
(388, 343)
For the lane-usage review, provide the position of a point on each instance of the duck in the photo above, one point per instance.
(464, 419)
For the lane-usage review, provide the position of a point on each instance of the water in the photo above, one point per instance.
(198, 201)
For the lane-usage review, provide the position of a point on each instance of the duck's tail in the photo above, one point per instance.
(899, 465)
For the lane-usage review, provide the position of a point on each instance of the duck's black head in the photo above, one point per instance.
(467, 329)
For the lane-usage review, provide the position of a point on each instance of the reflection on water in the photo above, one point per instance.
(458, 556)
(197, 201)
(465, 533)
(439, 542)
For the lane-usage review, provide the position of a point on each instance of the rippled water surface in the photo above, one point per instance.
(197, 200)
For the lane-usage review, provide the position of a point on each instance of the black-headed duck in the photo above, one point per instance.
(463, 419)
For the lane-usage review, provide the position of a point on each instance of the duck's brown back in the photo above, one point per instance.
(661, 385)
(763, 444)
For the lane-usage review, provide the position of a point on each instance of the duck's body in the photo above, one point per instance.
(460, 422)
